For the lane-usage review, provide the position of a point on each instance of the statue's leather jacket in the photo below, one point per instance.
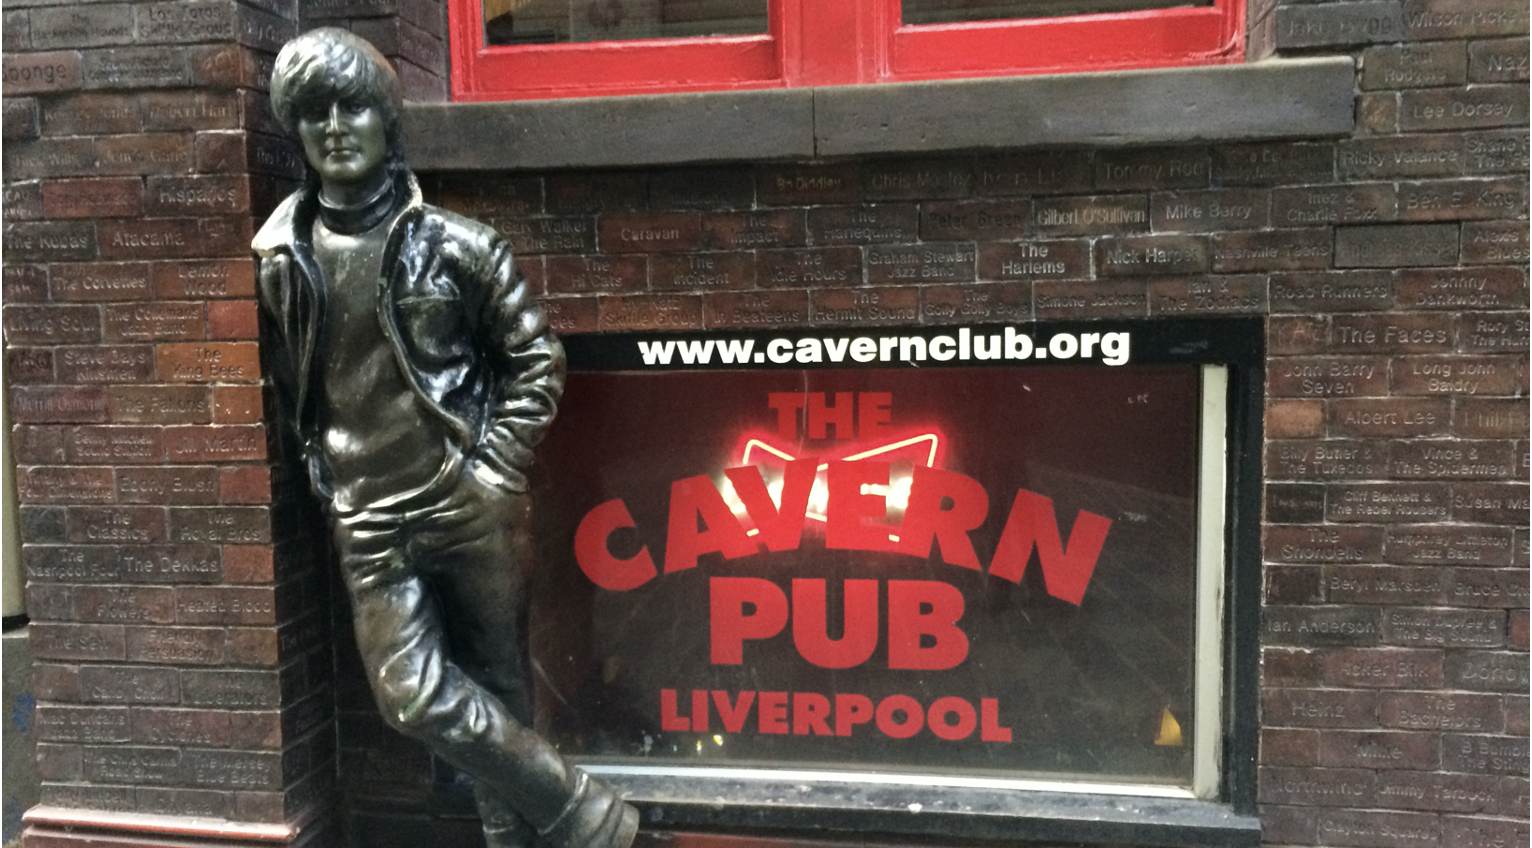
(466, 330)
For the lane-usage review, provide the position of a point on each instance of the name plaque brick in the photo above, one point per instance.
(1490, 503)
(1328, 377)
(1035, 260)
(1324, 544)
(1208, 296)
(1382, 668)
(117, 364)
(1000, 302)
(29, 365)
(1443, 19)
(23, 283)
(1402, 156)
(1321, 625)
(1033, 174)
(18, 115)
(864, 224)
(546, 235)
(659, 231)
(77, 642)
(49, 404)
(1387, 502)
(767, 228)
(701, 188)
(830, 266)
(1090, 215)
(1091, 300)
(181, 727)
(1152, 169)
(1485, 671)
(97, 281)
(155, 322)
(1331, 459)
(1338, 24)
(1385, 750)
(226, 605)
(160, 404)
(1152, 255)
(589, 193)
(1484, 418)
(1385, 584)
(1495, 241)
(1393, 245)
(125, 604)
(651, 312)
(702, 271)
(571, 315)
(62, 723)
(1447, 545)
(787, 185)
(1414, 66)
(220, 525)
(230, 689)
(1295, 503)
(40, 73)
(50, 241)
(1311, 786)
(1206, 211)
(1273, 163)
(920, 180)
(209, 362)
(104, 445)
(49, 157)
(1370, 417)
(244, 770)
(1462, 108)
(597, 274)
(1498, 60)
(1320, 707)
(216, 443)
(975, 220)
(1493, 588)
(931, 262)
(22, 201)
(134, 67)
(1267, 250)
(1492, 332)
(1451, 460)
(1462, 199)
(853, 307)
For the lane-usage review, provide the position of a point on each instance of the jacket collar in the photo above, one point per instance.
(289, 223)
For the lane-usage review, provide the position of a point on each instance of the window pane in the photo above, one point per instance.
(824, 655)
(552, 21)
(961, 11)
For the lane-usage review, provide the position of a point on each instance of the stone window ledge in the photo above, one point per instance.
(1273, 99)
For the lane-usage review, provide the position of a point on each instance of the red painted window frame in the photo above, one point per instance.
(837, 42)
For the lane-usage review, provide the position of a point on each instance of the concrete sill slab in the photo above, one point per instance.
(1274, 99)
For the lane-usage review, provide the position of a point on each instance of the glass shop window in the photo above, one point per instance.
(528, 49)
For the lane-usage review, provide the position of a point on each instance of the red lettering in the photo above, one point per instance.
(669, 720)
(787, 405)
(731, 626)
(811, 626)
(1032, 522)
(772, 712)
(990, 729)
(925, 521)
(854, 521)
(699, 710)
(733, 715)
(781, 529)
(595, 558)
(909, 621)
(913, 716)
(820, 416)
(936, 718)
(694, 499)
(872, 414)
(810, 711)
(851, 710)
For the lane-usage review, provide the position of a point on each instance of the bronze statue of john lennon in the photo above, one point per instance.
(418, 373)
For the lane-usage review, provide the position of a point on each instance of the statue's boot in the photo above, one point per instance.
(594, 818)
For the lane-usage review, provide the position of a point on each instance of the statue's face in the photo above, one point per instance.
(346, 143)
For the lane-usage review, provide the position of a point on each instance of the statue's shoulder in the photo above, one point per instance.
(460, 232)
(277, 233)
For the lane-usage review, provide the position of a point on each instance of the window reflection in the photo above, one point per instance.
(553, 21)
(963, 11)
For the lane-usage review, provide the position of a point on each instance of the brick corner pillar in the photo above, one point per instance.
(180, 615)
(411, 33)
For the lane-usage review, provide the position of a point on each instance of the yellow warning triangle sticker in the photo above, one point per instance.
(1170, 730)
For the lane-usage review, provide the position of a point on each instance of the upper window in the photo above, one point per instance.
(527, 49)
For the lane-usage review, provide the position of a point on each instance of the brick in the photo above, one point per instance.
(97, 281)
(29, 365)
(128, 685)
(1482, 832)
(1498, 60)
(1314, 626)
(1381, 668)
(910, 264)
(1275, 163)
(170, 196)
(81, 26)
(19, 121)
(226, 605)
(702, 272)
(1375, 750)
(1402, 156)
(41, 73)
(1495, 242)
(59, 762)
(1501, 151)
(189, 110)
(1490, 588)
(1294, 503)
(77, 642)
(230, 689)
(50, 241)
(1392, 245)
(1338, 543)
(701, 188)
(1091, 215)
(1372, 417)
(1444, 628)
(1441, 19)
(1464, 199)
(1338, 24)
(1030, 174)
(185, 802)
(753, 230)
(1414, 65)
(867, 224)
(161, 238)
(1161, 255)
(585, 193)
(154, 322)
(1316, 786)
(1517, 639)
(916, 179)
(1463, 108)
(219, 362)
(1035, 260)
(1456, 793)
(552, 235)
(1450, 545)
(1385, 585)
(1128, 298)
(1333, 459)
(176, 645)
(62, 723)
(1289, 747)
(242, 770)
(132, 765)
(651, 312)
(114, 364)
(159, 404)
(1154, 168)
(1296, 825)
(49, 157)
(1488, 671)
(49, 484)
(848, 307)
(1342, 291)
(248, 563)
(1344, 204)
(1484, 754)
(22, 201)
(790, 185)
(1289, 667)
(1327, 376)
(245, 485)
(756, 309)
(1227, 295)
(1378, 112)
(980, 303)
(233, 319)
(88, 797)
(651, 232)
(125, 604)
(253, 646)
(1474, 288)
(24, 283)
(58, 404)
(1291, 419)
(134, 67)
(1207, 211)
(202, 279)
(1477, 418)
(597, 274)
(975, 220)
(116, 525)
(1392, 333)
(1492, 332)
(1329, 708)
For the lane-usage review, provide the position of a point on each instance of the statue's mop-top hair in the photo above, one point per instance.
(326, 65)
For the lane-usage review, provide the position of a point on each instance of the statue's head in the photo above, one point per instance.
(337, 94)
